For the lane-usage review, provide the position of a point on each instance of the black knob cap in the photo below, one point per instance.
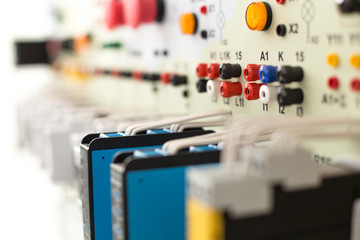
(67, 45)
(349, 6)
(126, 74)
(204, 34)
(34, 52)
(201, 85)
(281, 30)
(177, 80)
(288, 96)
(288, 74)
(107, 72)
(151, 77)
(160, 10)
(228, 70)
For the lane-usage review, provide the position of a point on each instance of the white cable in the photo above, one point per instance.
(182, 127)
(174, 146)
(255, 129)
(133, 130)
(309, 122)
(239, 130)
(171, 121)
(231, 148)
(292, 139)
(146, 122)
(173, 127)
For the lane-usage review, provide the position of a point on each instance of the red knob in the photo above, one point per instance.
(203, 9)
(140, 11)
(115, 73)
(213, 70)
(137, 75)
(229, 89)
(252, 91)
(201, 70)
(98, 71)
(251, 72)
(165, 78)
(355, 84)
(114, 14)
(333, 83)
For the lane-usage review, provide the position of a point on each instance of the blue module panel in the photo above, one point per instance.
(156, 204)
(101, 161)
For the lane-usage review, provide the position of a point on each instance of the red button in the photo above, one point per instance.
(140, 11)
(355, 85)
(203, 9)
(252, 91)
(229, 89)
(165, 78)
(137, 75)
(201, 70)
(98, 71)
(213, 70)
(114, 14)
(115, 73)
(333, 83)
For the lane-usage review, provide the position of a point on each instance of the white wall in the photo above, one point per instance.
(31, 206)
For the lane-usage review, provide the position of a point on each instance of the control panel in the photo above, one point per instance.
(275, 58)
(282, 58)
(284, 70)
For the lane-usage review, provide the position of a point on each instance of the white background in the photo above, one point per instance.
(31, 206)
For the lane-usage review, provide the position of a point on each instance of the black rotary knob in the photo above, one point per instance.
(228, 70)
(288, 74)
(349, 6)
(281, 30)
(201, 85)
(288, 96)
(151, 77)
(126, 74)
(177, 80)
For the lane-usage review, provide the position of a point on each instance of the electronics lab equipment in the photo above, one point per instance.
(256, 58)
(97, 151)
(46, 128)
(148, 193)
(285, 196)
(270, 59)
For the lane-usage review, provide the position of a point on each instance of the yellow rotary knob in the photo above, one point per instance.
(258, 16)
(188, 23)
(355, 61)
(333, 60)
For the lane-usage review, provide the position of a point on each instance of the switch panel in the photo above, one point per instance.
(270, 58)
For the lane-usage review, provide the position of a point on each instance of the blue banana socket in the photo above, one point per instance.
(268, 74)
